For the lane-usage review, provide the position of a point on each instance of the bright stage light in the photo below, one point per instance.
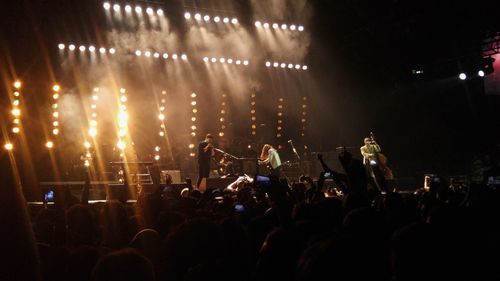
(116, 7)
(206, 18)
(49, 144)
(226, 20)
(304, 67)
(55, 123)
(165, 56)
(230, 61)
(193, 103)
(234, 21)
(191, 146)
(275, 26)
(56, 88)
(161, 133)
(157, 157)
(93, 106)
(193, 128)
(149, 11)
(301, 28)
(122, 132)
(55, 96)
(266, 25)
(195, 110)
(157, 148)
(94, 115)
(82, 48)
(245, 62)
(106, 5)
(193, 119)
(8, 146)
(123, 99)
(147, 54)
(15, 103)
(193, 95)
(93, 123)
(159, 12)
(138, 9)
(86, 144)
(16, 112)
(283, 65)
(205, 59)
(102, 50)
(91, 49)
(480, 73)
(213, 60)
(16, 121)
(112, 50)
(297, 66)
(55, 132)
(161, 116)
(187, 16)
(174, 56)
(72, 47)
(197, 16)
(462, 76)
(15, 130)
(184, 57)
(128, 8)
(217, 19)
(238, 62)
(222, 60)
(221, 134)
(293, 27)
(92, 132)
(123, 91)
(284, 26)
(122, 116)
(156, 55)
(290, 65)
(17, 84)
(258, 24)
(61, 46)
(276, 64)
(121, 145)
(55, 106)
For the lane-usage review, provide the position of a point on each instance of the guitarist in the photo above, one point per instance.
(370, 152)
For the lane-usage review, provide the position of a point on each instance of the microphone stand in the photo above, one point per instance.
(298, 157)
(225, 153)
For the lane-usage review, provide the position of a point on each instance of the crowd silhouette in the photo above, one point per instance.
(278, 231)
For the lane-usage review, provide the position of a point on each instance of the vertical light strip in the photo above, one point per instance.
(163, 130)
(16, 108)
(193, 124)
(279, 127)
(303, 117)
(122, 121)
(55, 116)
(223, 115)
(253, 116)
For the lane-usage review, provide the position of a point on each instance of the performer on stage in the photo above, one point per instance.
(270, 156)
(205, 153)
(371, 151)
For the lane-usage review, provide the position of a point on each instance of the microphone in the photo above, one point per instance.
(289, 141)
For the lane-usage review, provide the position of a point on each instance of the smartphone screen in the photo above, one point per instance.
(49, 196)
(239, 208)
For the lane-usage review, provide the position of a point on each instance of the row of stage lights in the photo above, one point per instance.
(161, 117)
(228, 61)
(128, 8)
(157, 55)
(286, 65)
(463, 76)
(282, 26)
(82, 48)
(184, 57)
(222, 118)
(198, 17)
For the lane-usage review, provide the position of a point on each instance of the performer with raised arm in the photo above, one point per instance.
(205, 153)
(270, 156)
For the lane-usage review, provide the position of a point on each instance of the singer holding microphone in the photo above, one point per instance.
(270, 156)
(205, 153)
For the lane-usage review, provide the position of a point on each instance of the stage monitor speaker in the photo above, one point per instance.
(175, 174)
